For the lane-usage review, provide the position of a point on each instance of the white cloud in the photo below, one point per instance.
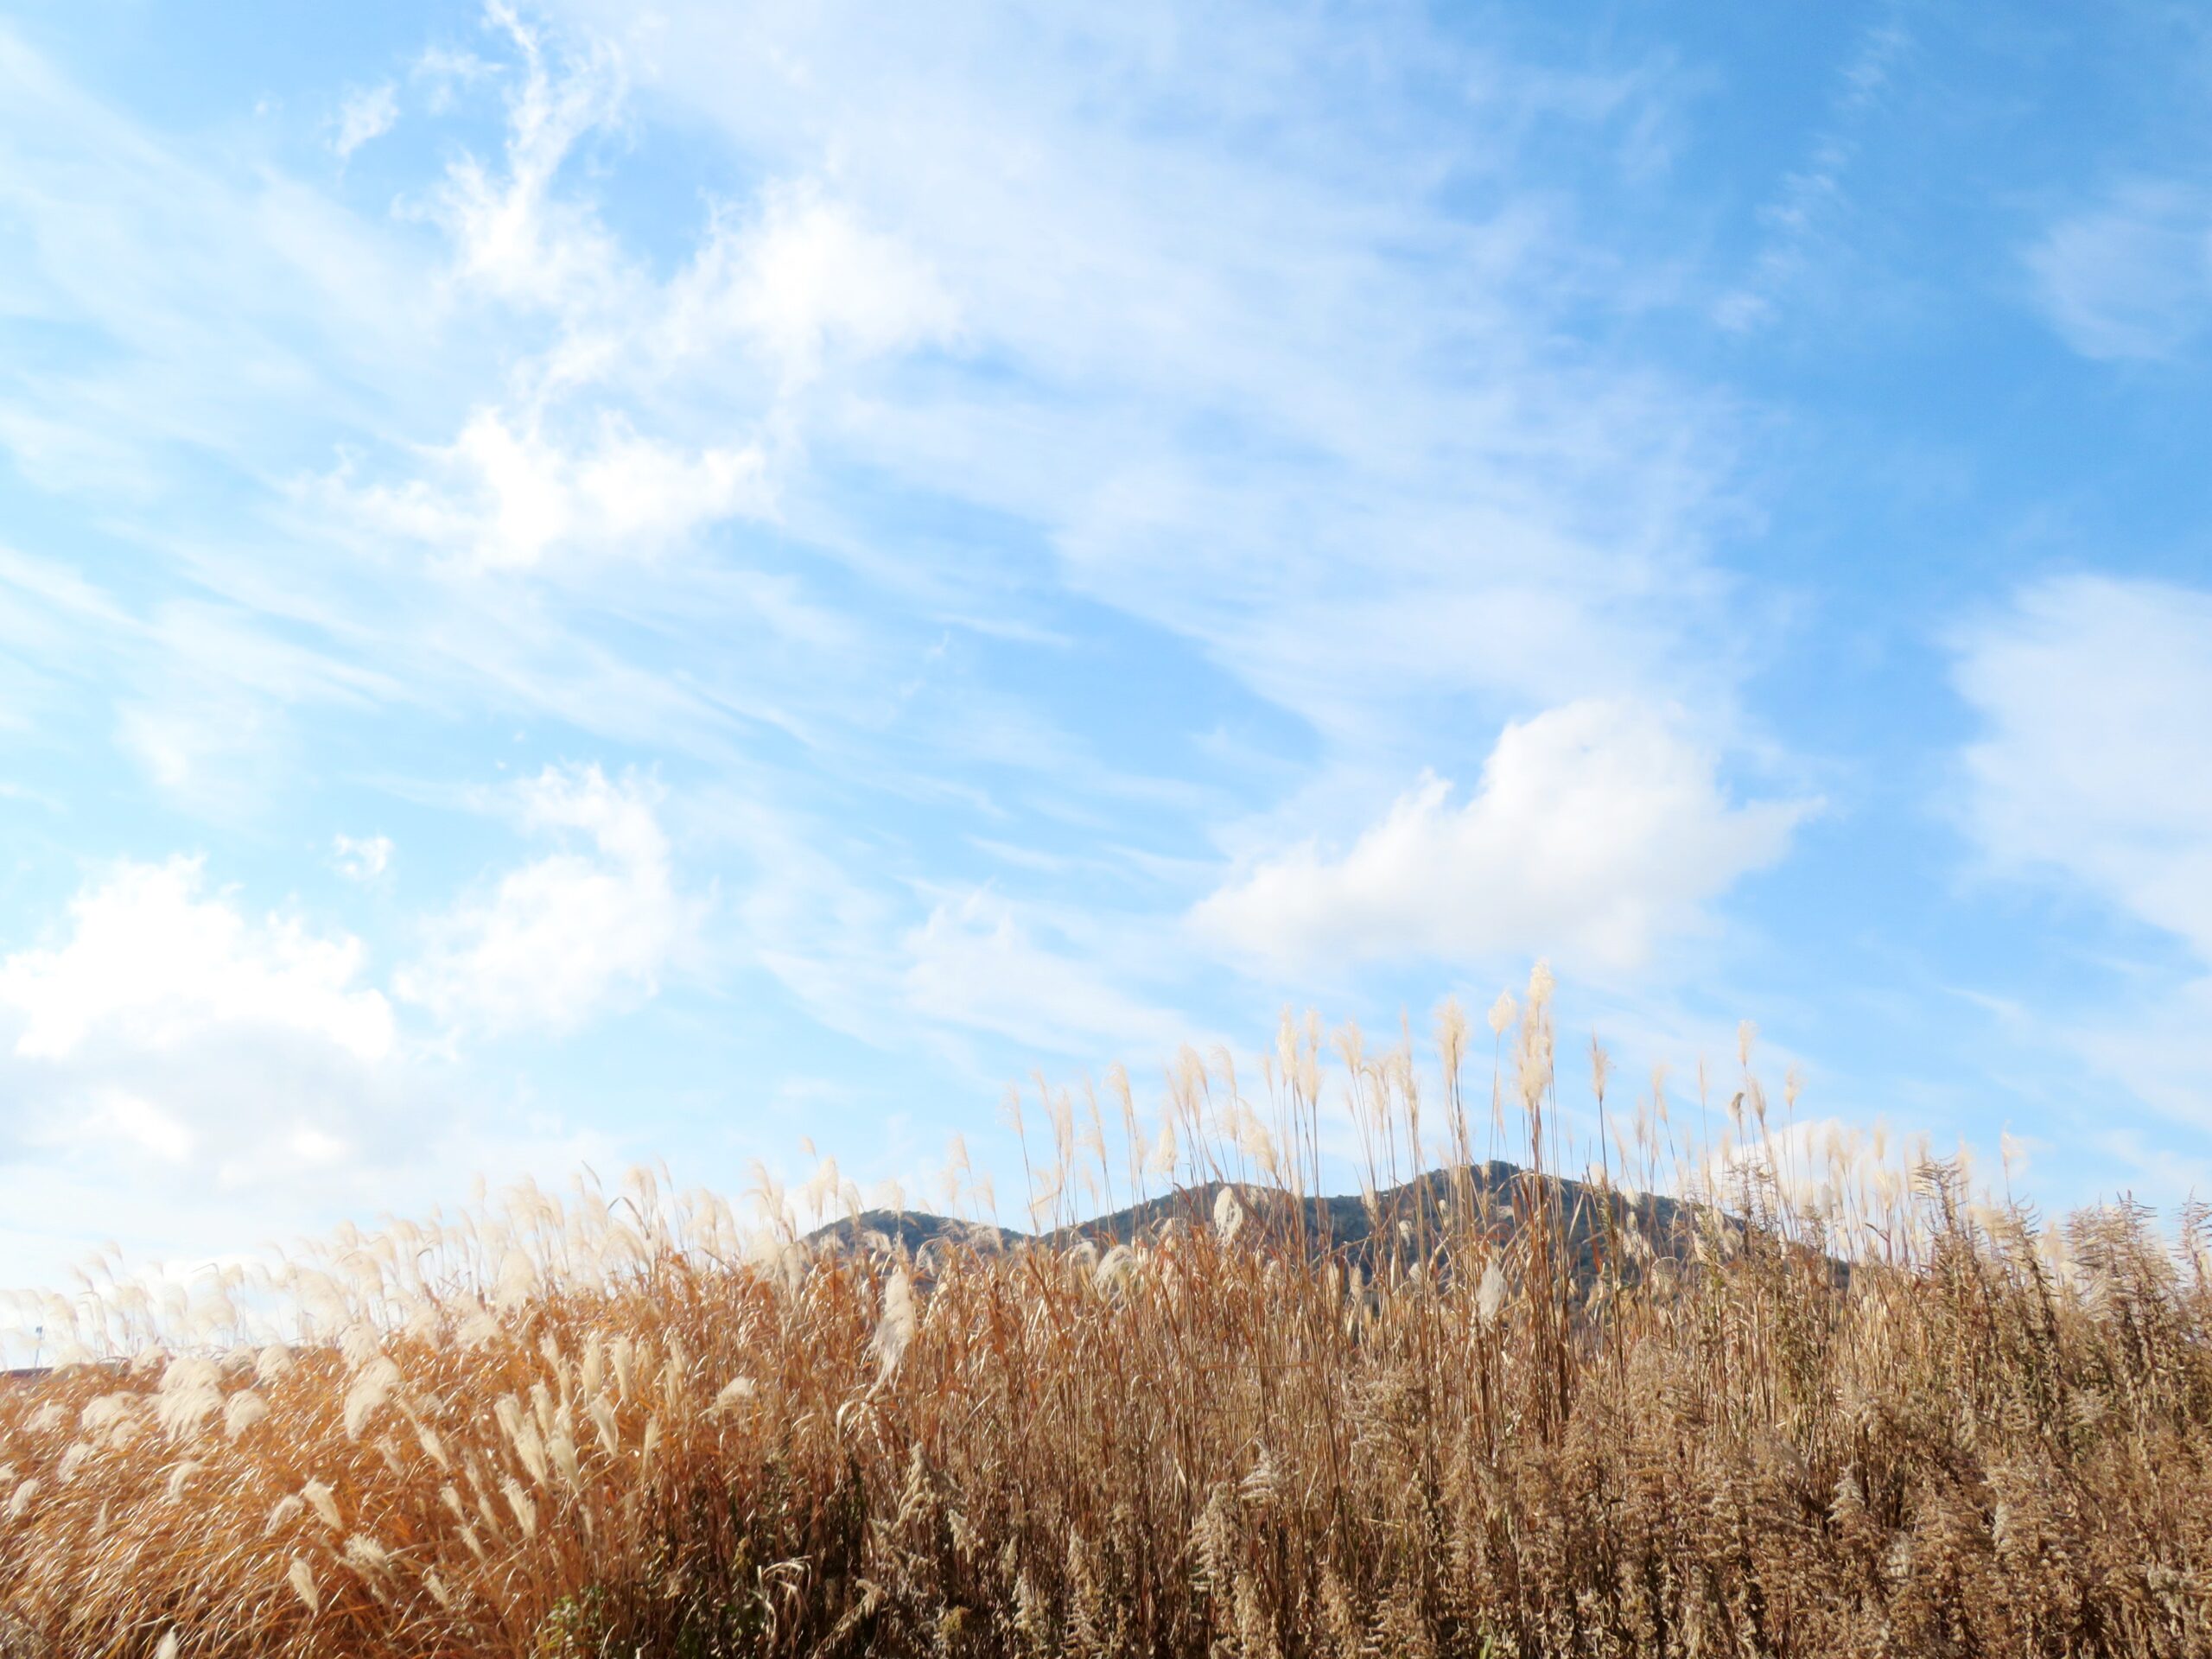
(564, 936)
(1290, 365)
(212, 692)
(2095, 768)
(1255, 393)
(765, 302)
(1598, 831)
(182, 1075)
(361, 858)
(802, 279)
(444, 69)
(514, 237)
(510, 498)
(2156, 1044)
(1802, 215)
(366, 115)
(806, 280)
(546, 471)
(193, 741)
(226, 298)
(977, 964)
(139, 1122)
(168, 1051)
(2096, 762)
(153, 959)
(2130, 278)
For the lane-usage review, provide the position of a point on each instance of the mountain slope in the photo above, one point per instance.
(1361, 1230)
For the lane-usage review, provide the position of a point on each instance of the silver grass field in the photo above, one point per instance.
(1832, 1404)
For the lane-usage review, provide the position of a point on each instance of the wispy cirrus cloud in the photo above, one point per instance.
(2090, 773)
(1804, 211)
(977, 963)
(514, 234)
(2087, 766)
(604, 448)
(2129, 278)
(236, 311)
(364, 117)
(1316, 419)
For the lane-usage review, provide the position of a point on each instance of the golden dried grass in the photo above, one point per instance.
(623, 1428)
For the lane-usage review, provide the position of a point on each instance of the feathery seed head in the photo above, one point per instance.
(601, 1412)
(524, 1510)
(372, 1387)
(324, 1503)
(623, 1354)
(301, 1577)
(563, 1451)
(1490, 1295)
(245, 1410)
(896, 1327)
(1228, 1213)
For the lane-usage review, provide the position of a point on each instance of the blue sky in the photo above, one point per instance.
(581, 585)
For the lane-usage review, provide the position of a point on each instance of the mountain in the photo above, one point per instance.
(1361, 1230)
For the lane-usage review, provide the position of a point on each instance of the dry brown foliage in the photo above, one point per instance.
(613, 1430)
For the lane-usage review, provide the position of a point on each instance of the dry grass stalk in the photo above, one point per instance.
(603, 1429)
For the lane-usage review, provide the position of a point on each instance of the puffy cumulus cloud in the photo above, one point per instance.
(166, 1035)
(186, 1077)
(153, 959)
(977, 963)
(2130, 278)
(1598, 829)
(559, 938)
(2095, 762)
